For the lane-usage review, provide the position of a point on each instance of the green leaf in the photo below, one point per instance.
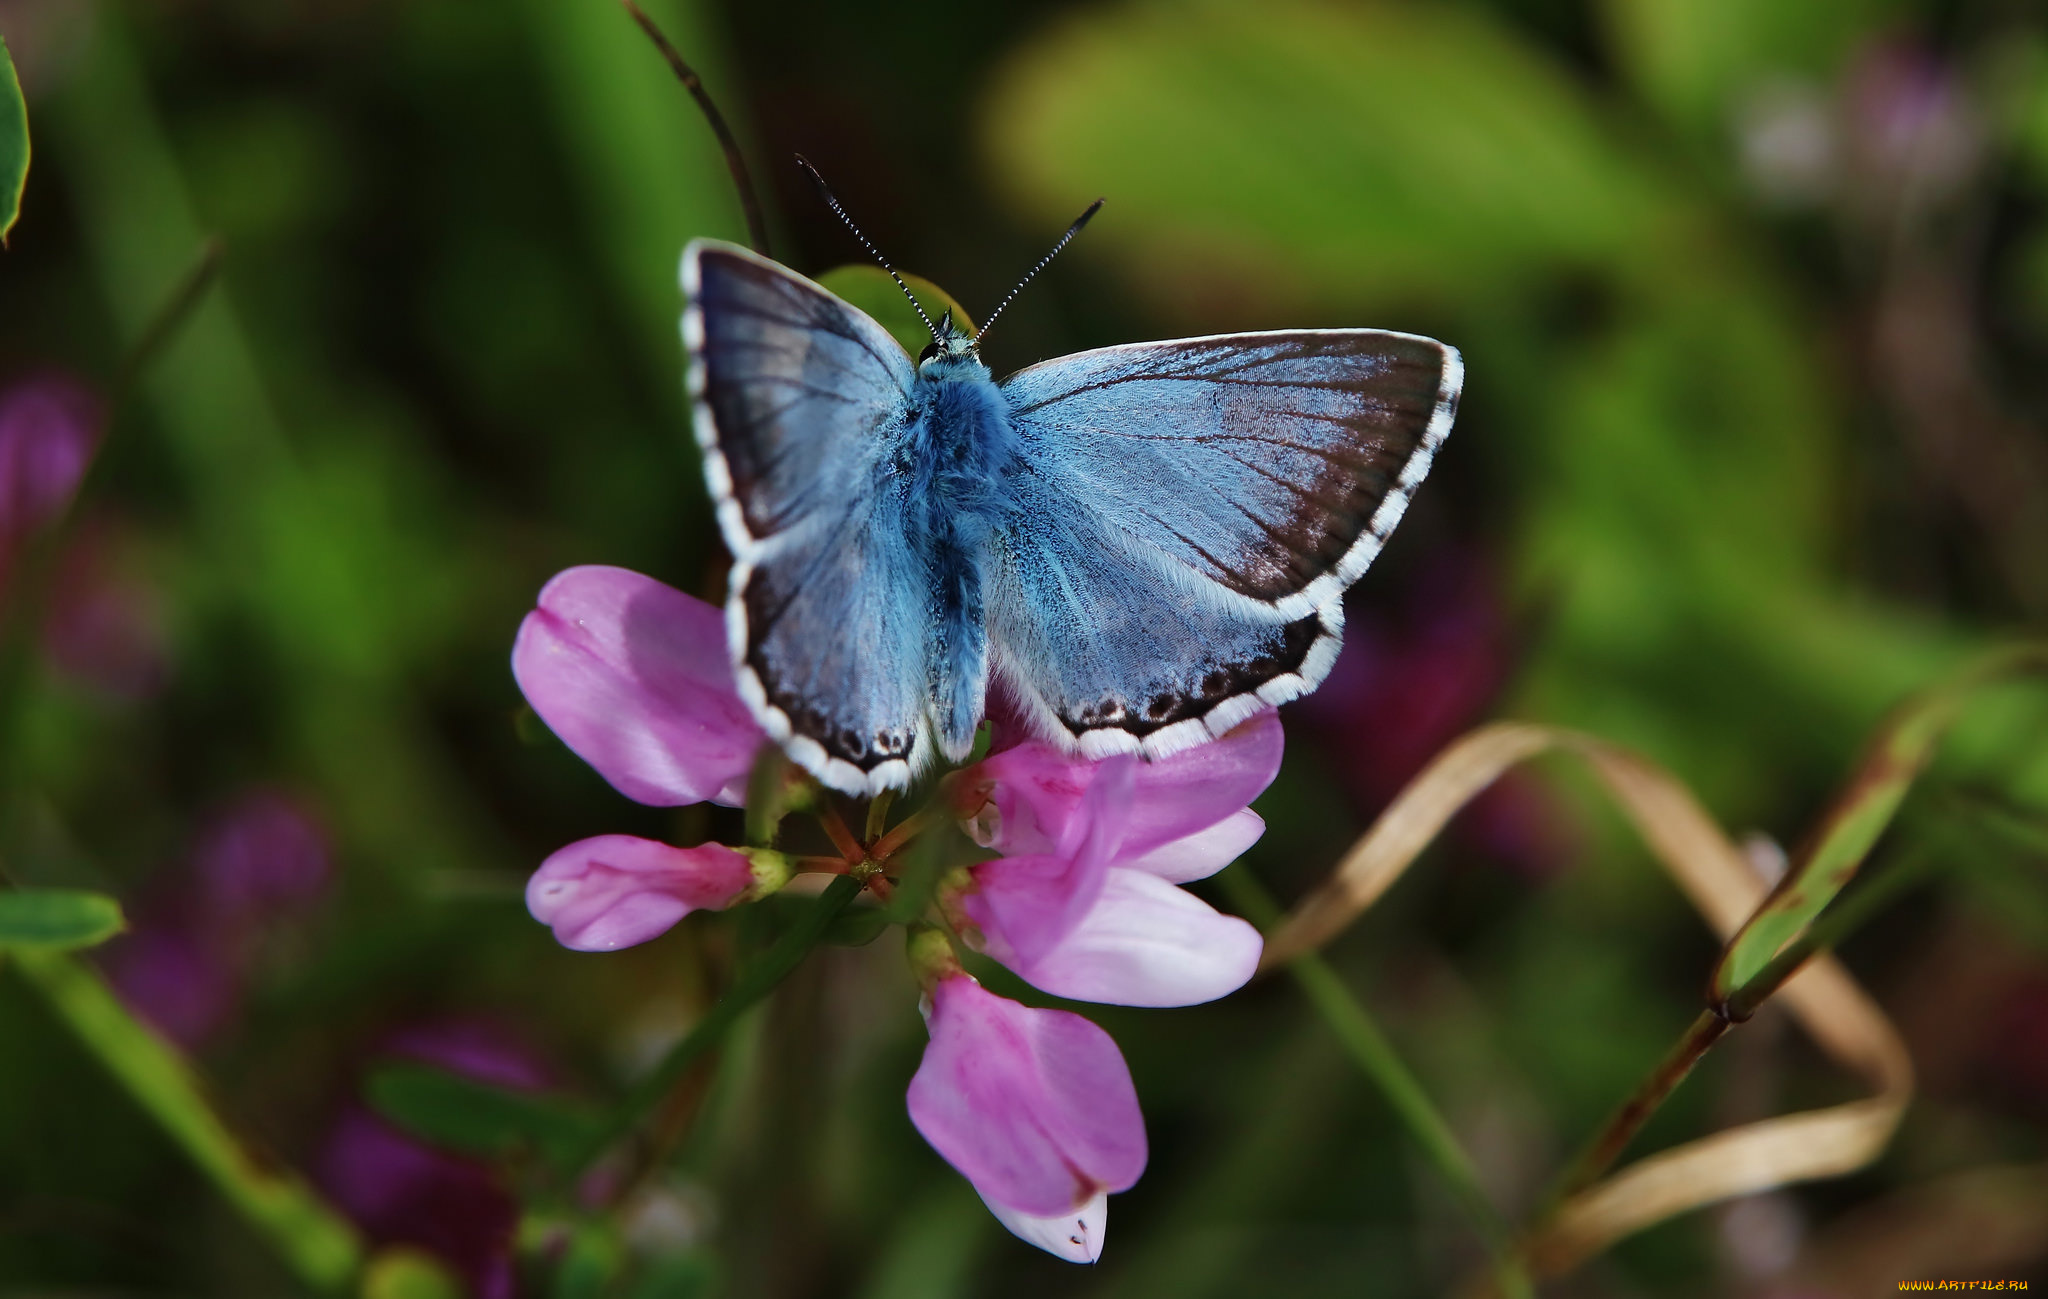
(478, 1118)
(857, 926)
(13, 143)
(56, 920)
(407, 1273)
(1334, 152)
(1696, 59)
(871, 289)
(589, 1265)
(1897, 755)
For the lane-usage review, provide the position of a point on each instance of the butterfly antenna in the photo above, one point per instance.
(833, 203)
(735, 161)
(1065, 239)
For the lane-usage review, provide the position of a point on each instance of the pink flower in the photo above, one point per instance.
(635, 677)
(1034, 1107)
(613, 891)
(1084, 902)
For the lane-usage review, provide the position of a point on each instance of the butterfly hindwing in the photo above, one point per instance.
(1192, 512)
(1098, 639)
(798, 400)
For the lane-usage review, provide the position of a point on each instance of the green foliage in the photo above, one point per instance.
(1695, 58)
(1355, 154)
(478, 1118)
(57, 920)
(321, 1247)
(408, 1274)
(871, 289)
(1900, 752)
(13, 143)
(858, 926)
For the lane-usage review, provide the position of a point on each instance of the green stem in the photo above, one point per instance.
(1827, 931)
(1628, 1120)
(1376, 1058)
(755, 982)
(316, 1242)
(1833, 925)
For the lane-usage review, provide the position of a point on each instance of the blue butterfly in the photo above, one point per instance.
(1138, 547)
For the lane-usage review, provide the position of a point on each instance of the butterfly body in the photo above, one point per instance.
(956, 463)
(1135, 548)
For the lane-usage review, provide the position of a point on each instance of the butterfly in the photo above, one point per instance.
(1135, 547)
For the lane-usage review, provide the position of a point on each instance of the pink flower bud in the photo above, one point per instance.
(614, 891)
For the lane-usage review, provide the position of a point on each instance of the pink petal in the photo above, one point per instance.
(1038, 789)
(1034, 1107)
(1024, 905)
(634, 676)
(613, 891)
(1202, 853)
(1195, 788)
(1147, 943)
(1075, 1236)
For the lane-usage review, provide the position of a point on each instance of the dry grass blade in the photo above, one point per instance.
(1452, 779)
(1717, 879)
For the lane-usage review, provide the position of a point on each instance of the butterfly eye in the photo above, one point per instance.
(930, 350)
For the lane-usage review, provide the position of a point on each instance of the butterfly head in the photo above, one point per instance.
(949, 344)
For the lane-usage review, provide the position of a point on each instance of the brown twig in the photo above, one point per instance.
(841, 835)
(735, 162)
(1628, 1120)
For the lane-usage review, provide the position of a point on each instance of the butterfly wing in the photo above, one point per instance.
(1192, 511)
(800, 401)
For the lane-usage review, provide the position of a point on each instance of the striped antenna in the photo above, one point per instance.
(1065, 239)
(833, 203)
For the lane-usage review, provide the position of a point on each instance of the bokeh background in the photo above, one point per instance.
(1754, 302)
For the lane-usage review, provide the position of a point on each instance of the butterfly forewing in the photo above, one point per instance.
(799, 400)
(1273, 464)
(1190, 514)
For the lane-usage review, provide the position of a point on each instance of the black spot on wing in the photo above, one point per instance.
(1281, 653)
(863, 748)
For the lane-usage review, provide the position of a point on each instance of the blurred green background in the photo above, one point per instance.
(1754, 303)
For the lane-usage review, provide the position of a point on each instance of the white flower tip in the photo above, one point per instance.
(1075, 1237)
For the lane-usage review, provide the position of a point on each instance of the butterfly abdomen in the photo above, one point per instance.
(954, 463)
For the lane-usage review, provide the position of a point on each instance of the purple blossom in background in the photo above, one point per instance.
(1034, 1107)
(104, 625)
(260, 862)
(263, 857)
(167, 973)
(1911, 131)
(49, 430)
(1406, 683)
(403, 1192)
